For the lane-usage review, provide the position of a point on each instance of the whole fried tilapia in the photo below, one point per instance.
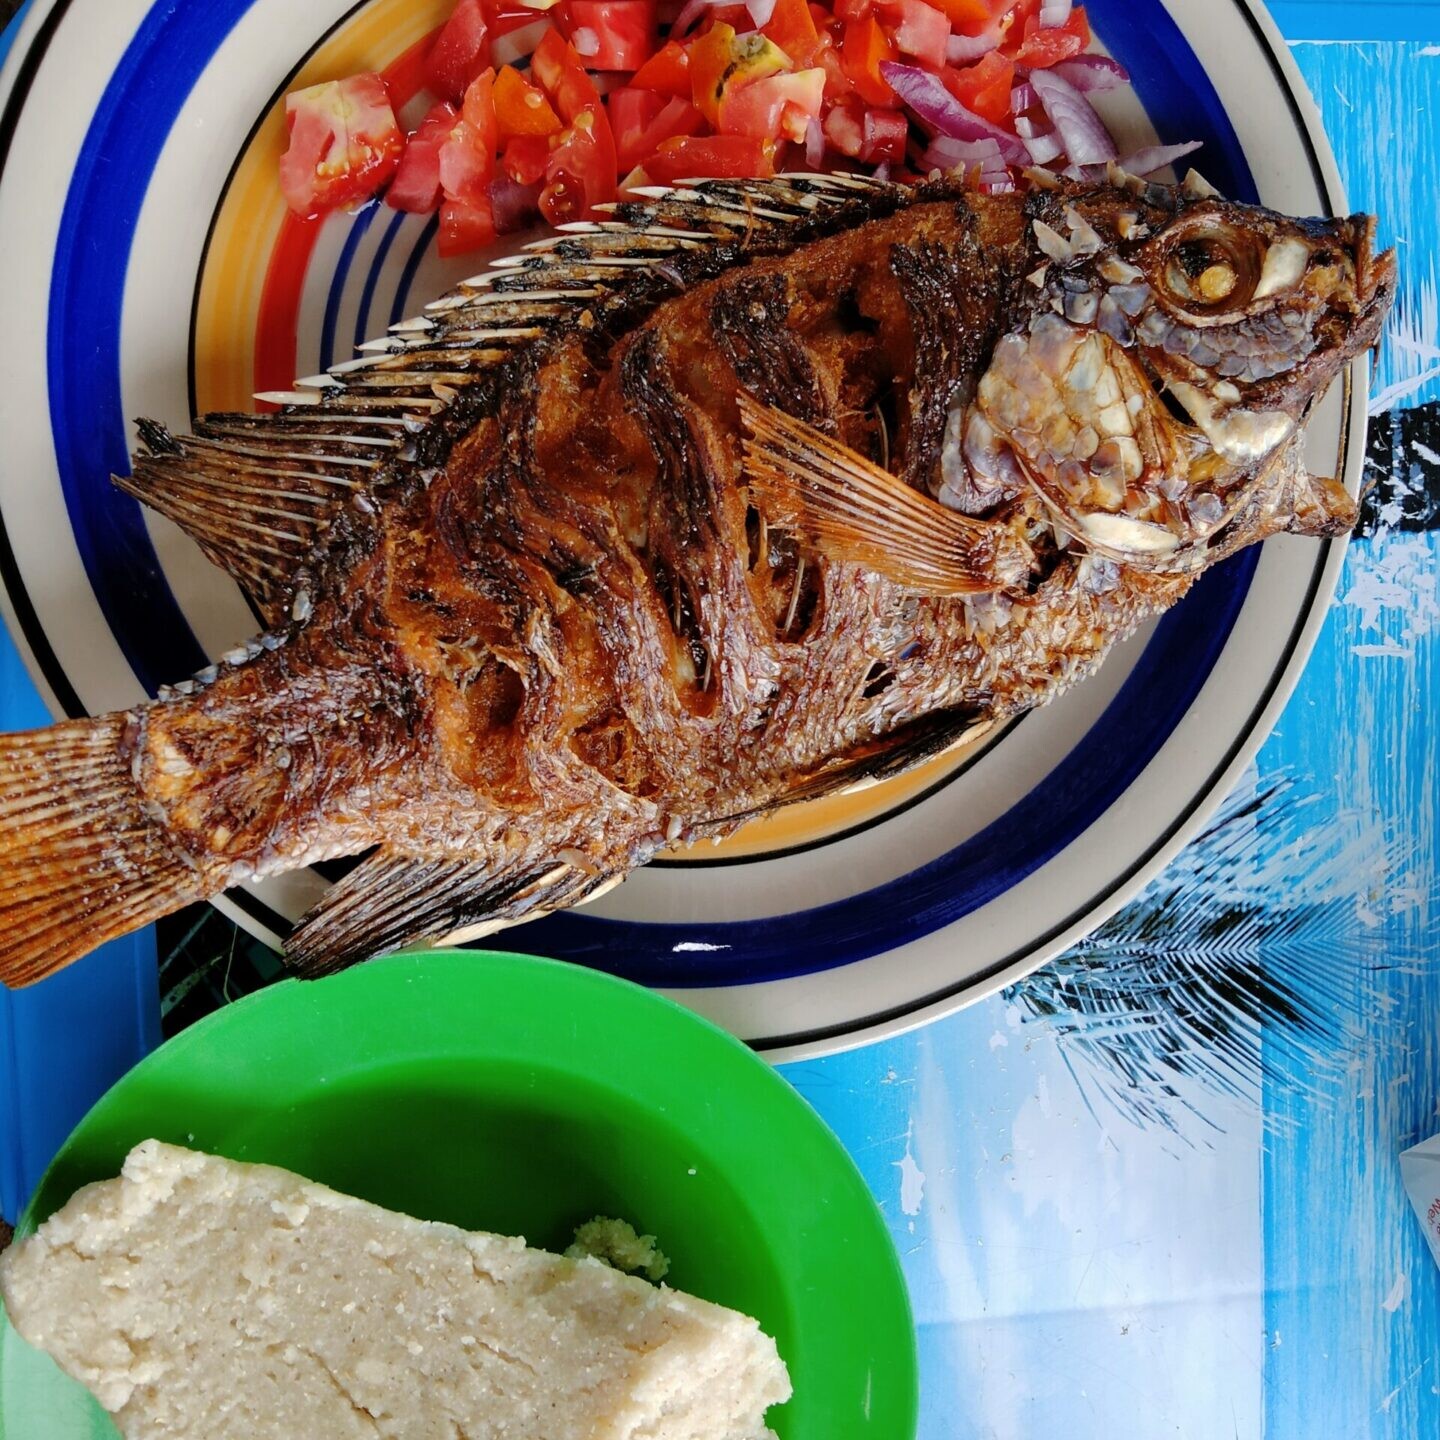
(752, 492)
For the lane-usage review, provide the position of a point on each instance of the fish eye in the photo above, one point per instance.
(1210, 266)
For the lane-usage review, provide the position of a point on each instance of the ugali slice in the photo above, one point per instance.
(198, 1297)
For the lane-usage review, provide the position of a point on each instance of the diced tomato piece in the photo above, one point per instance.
(792, 27)
(521, 108)
(562, 72)
(345, 143)
(525, 159)
(467, 158)
(416, 186)
(984, 87)
(720, 59)
(1013, 23)
(918, 29)
(580, 173)
(848, 11)
(466, 225)
(866, 47)
(624, 31)
(514, 204)
(886, 134)
(631, 112)
(838, 85)
(666, 71)
(460, 52)
(679, 117)
(1043, 48)
(720, 157)
(779, 107)
(970, 17)
(844, 129)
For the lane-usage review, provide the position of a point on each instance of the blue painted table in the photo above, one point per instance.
(1154, 1190)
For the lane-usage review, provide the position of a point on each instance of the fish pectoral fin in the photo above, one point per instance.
(391, 901)
(850, 509)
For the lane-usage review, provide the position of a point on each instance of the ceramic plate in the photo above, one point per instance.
(151, 269)
(439, 1092)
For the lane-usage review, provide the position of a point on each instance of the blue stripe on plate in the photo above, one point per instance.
(363, 329)
(400, 309)
(336, 295)
(131, 125)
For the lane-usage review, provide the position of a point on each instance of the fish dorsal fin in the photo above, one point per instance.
(850, 509)
(258, 493)
(392, 900)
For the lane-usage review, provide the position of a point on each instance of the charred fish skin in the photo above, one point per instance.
(751, 492)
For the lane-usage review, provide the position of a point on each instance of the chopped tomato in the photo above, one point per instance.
(844, 128)
(847, 11)
(460, 53)
(580, 173)
(562, 72)
(718, 157)
(792, 27)
(918, 29)
(631, 111)
(525, 159)
(667, 71)
(467, 166)
(838, 85)
(466, 225)
(971, 17)
(624, 31)
(886, 135)
(345, 144)
(520, 107)
(866, 47)
(1043, 48)
(866, 135)
(678, 117)
(416, 186)
(779, 107)
(720, 59)
(984, 87)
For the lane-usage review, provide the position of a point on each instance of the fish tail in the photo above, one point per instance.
(80, 860)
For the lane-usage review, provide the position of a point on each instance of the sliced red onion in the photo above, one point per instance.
(1157, 157)
(1023, 97)
(814, 146)
(882, 170)
(690, 12)
(760, 11)
(1044, 148)
(513, 206)
(585, 40)
(1054, 13)
(940, 113)
(1081, 130)
(1092, 74)
(982, 157)
(962, 49)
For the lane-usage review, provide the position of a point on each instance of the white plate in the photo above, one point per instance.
(149, 270)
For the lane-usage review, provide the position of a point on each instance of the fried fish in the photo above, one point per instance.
(751, 492)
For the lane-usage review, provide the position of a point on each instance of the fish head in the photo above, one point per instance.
(1166, 350)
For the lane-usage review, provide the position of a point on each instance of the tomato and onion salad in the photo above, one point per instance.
(625, 93)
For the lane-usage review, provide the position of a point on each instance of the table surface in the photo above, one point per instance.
(1152, 1190)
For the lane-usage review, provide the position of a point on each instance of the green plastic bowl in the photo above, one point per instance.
(506, 1093)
